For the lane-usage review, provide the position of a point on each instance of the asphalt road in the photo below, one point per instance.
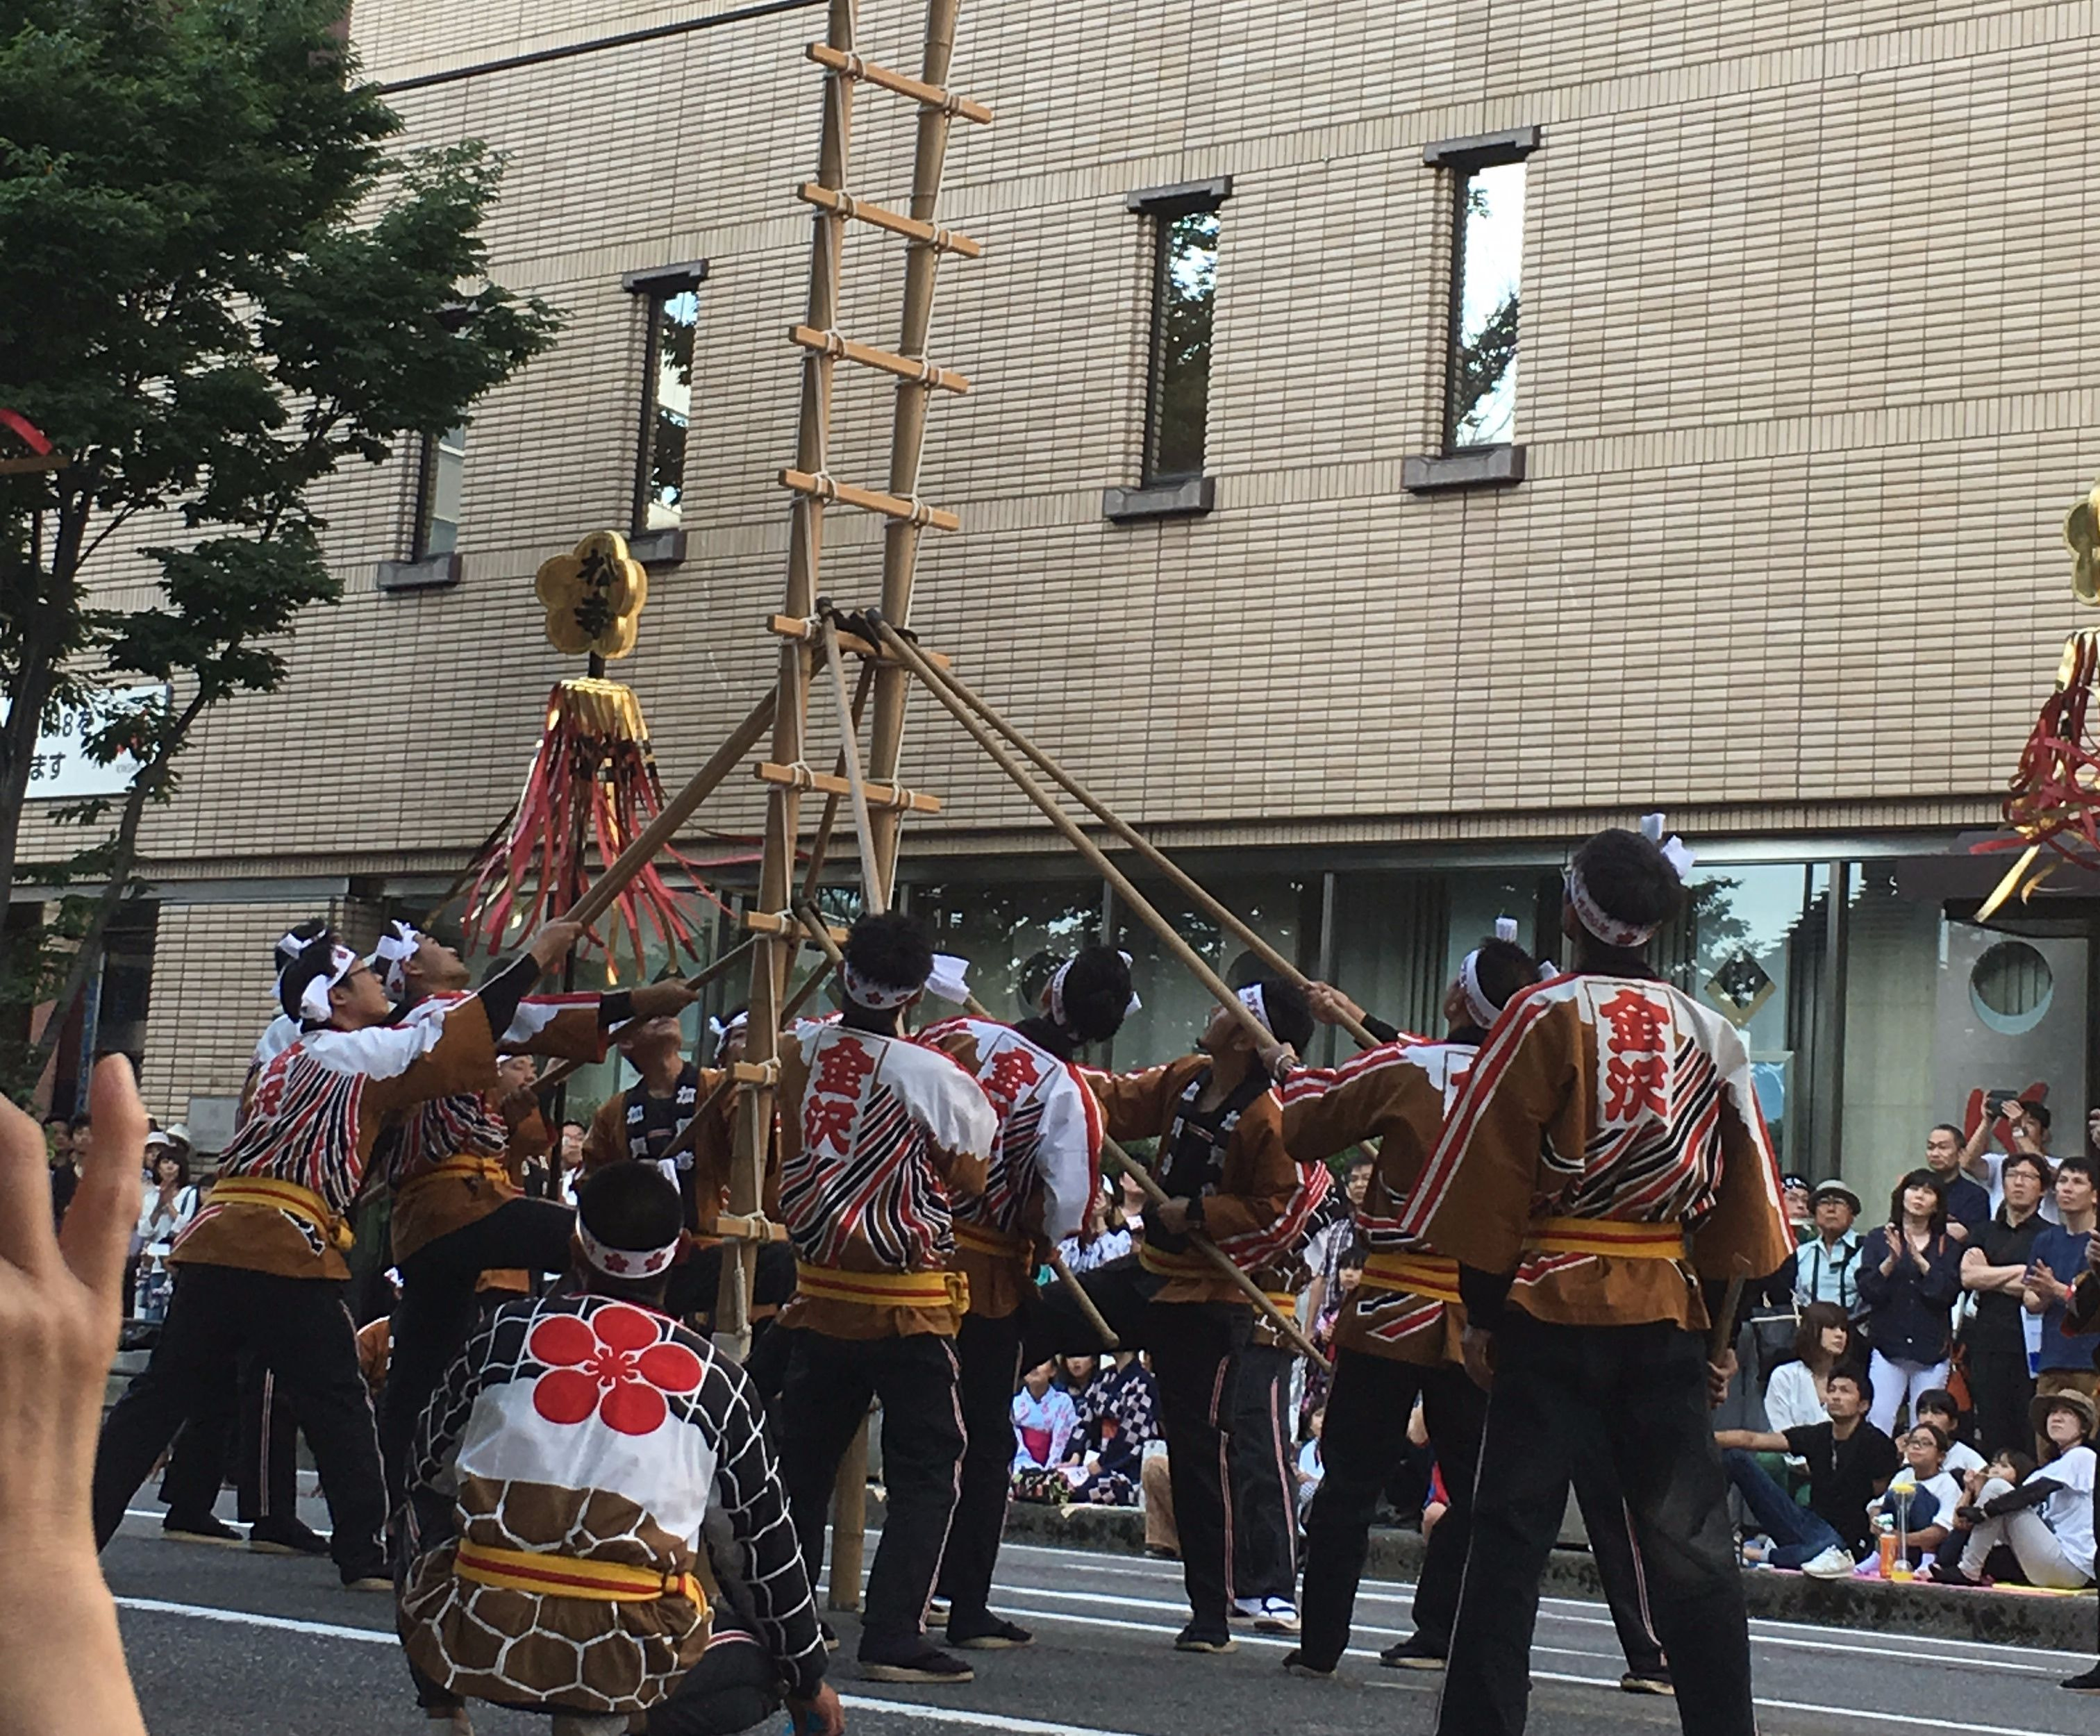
(226, 1643)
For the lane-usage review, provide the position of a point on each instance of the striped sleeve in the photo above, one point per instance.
(1381, 1094)
(1474, 1199)
(748, 1489)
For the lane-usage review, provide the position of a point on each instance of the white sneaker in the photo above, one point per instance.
(1245, 1609)
(1277, 1615)
(1833, 1563)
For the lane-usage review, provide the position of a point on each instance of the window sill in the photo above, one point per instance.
(434, 572)
(1190, 498)
(1488, 467)
(657, 548)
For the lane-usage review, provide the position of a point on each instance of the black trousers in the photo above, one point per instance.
(440, 1308)
(988, 1357)
(1054, 1326)
(267, 1470)
(301, 1332)
(1363, 1443)
(1637, 1395)
(824, 1398)
(2003, 1390)
(1264, 1496)
(695, 1283)
(1196, 1349)
(734, 1686)
(1615, 1546)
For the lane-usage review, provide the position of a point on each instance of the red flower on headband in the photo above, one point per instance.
(614, 1362)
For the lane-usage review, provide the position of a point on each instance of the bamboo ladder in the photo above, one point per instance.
(876, 800)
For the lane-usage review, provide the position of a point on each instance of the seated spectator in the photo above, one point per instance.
(1112, 1236)
(2060, 1252)
(1043, 1419)
(2047, 1520)
(1938, 1408)
(2001, 1333)
(1825, 1268)
(1347, 1276)
(1119, 1418)
(1910, 1274)
(1850, 1462)
(1794, 1399)
(1922, 1497)
(1969, 1206)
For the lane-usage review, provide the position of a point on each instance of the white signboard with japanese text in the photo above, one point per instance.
(60, 768)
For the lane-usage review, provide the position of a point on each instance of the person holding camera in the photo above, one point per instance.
(2026, 1123)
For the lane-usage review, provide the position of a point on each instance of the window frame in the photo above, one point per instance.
(426, 496)
(655, 288)
(1465, 158)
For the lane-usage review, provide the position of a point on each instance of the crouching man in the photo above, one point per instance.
(566, 1482)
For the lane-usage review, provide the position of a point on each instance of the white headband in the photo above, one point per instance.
(1055, 992)
(395, 947)
(881, 997)
(1607, 927)
(1484, 1012)
(950, 978)
(621, 1262)
(313, 1005)
(1255, 1002)
(719, 1028)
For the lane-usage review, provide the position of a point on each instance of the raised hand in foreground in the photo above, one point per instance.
(62, 1670)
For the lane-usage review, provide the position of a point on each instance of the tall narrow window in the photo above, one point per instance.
(438, 494)
(1183, 294)
(671, 306)
(660, 488)
(1487, 255)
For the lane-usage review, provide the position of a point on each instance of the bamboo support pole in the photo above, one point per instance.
(818, 485)
(935, 683)
(854, 67)
(1178, 877)
(820, 845)
(1217, 1256)
(837, 784)
(1084, 1302)
(882, 361)
(849, 1523)
(874, 890)
(769, 963)
(927, 235)
(561, 1070)
(795, 627)
(907, 434)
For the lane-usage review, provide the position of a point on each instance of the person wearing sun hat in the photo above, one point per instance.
(595, 1525)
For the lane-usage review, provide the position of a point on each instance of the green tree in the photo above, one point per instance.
(219, 286)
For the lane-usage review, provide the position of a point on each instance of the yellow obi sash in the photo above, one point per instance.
(1426, 1274)
(1606, 1236)
(884, 1289)
(1164, 1264)
(489, 1169)
(1285, 1302)
(567, 1576)
(979, 1239)
(284, 1196)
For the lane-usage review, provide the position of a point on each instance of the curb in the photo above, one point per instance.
(2015, 1618)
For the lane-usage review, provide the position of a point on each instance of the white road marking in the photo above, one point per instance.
(976, 1720)
(327, 1630)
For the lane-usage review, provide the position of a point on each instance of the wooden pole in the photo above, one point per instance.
(1217, 1256)
(900, 537)
(930, 679)
(776, 880)
(849, 1522)
(874, 897)
(1178, 877)
(821, 844)
(1084, 1302)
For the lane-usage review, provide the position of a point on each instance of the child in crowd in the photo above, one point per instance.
(2046, 1520)
(1043, 1420)
(1921, 1497)
(1311, 1467)
(1938, 1408)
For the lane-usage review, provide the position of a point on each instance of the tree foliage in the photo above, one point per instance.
(219, 285)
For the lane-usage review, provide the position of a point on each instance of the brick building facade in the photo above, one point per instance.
(1763, 534)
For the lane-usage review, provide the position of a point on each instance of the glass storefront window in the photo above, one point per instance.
(1014, 935)
(1284, 911)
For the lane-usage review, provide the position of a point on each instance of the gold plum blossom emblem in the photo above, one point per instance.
(593, 596)
(2081, 536)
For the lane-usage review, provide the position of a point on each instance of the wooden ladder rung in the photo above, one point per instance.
(794, 627)
(825, 783)
(734, 1226)
(932, 95)
(887, 361)
(932, 234)
(769, 922)
(821, 487)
